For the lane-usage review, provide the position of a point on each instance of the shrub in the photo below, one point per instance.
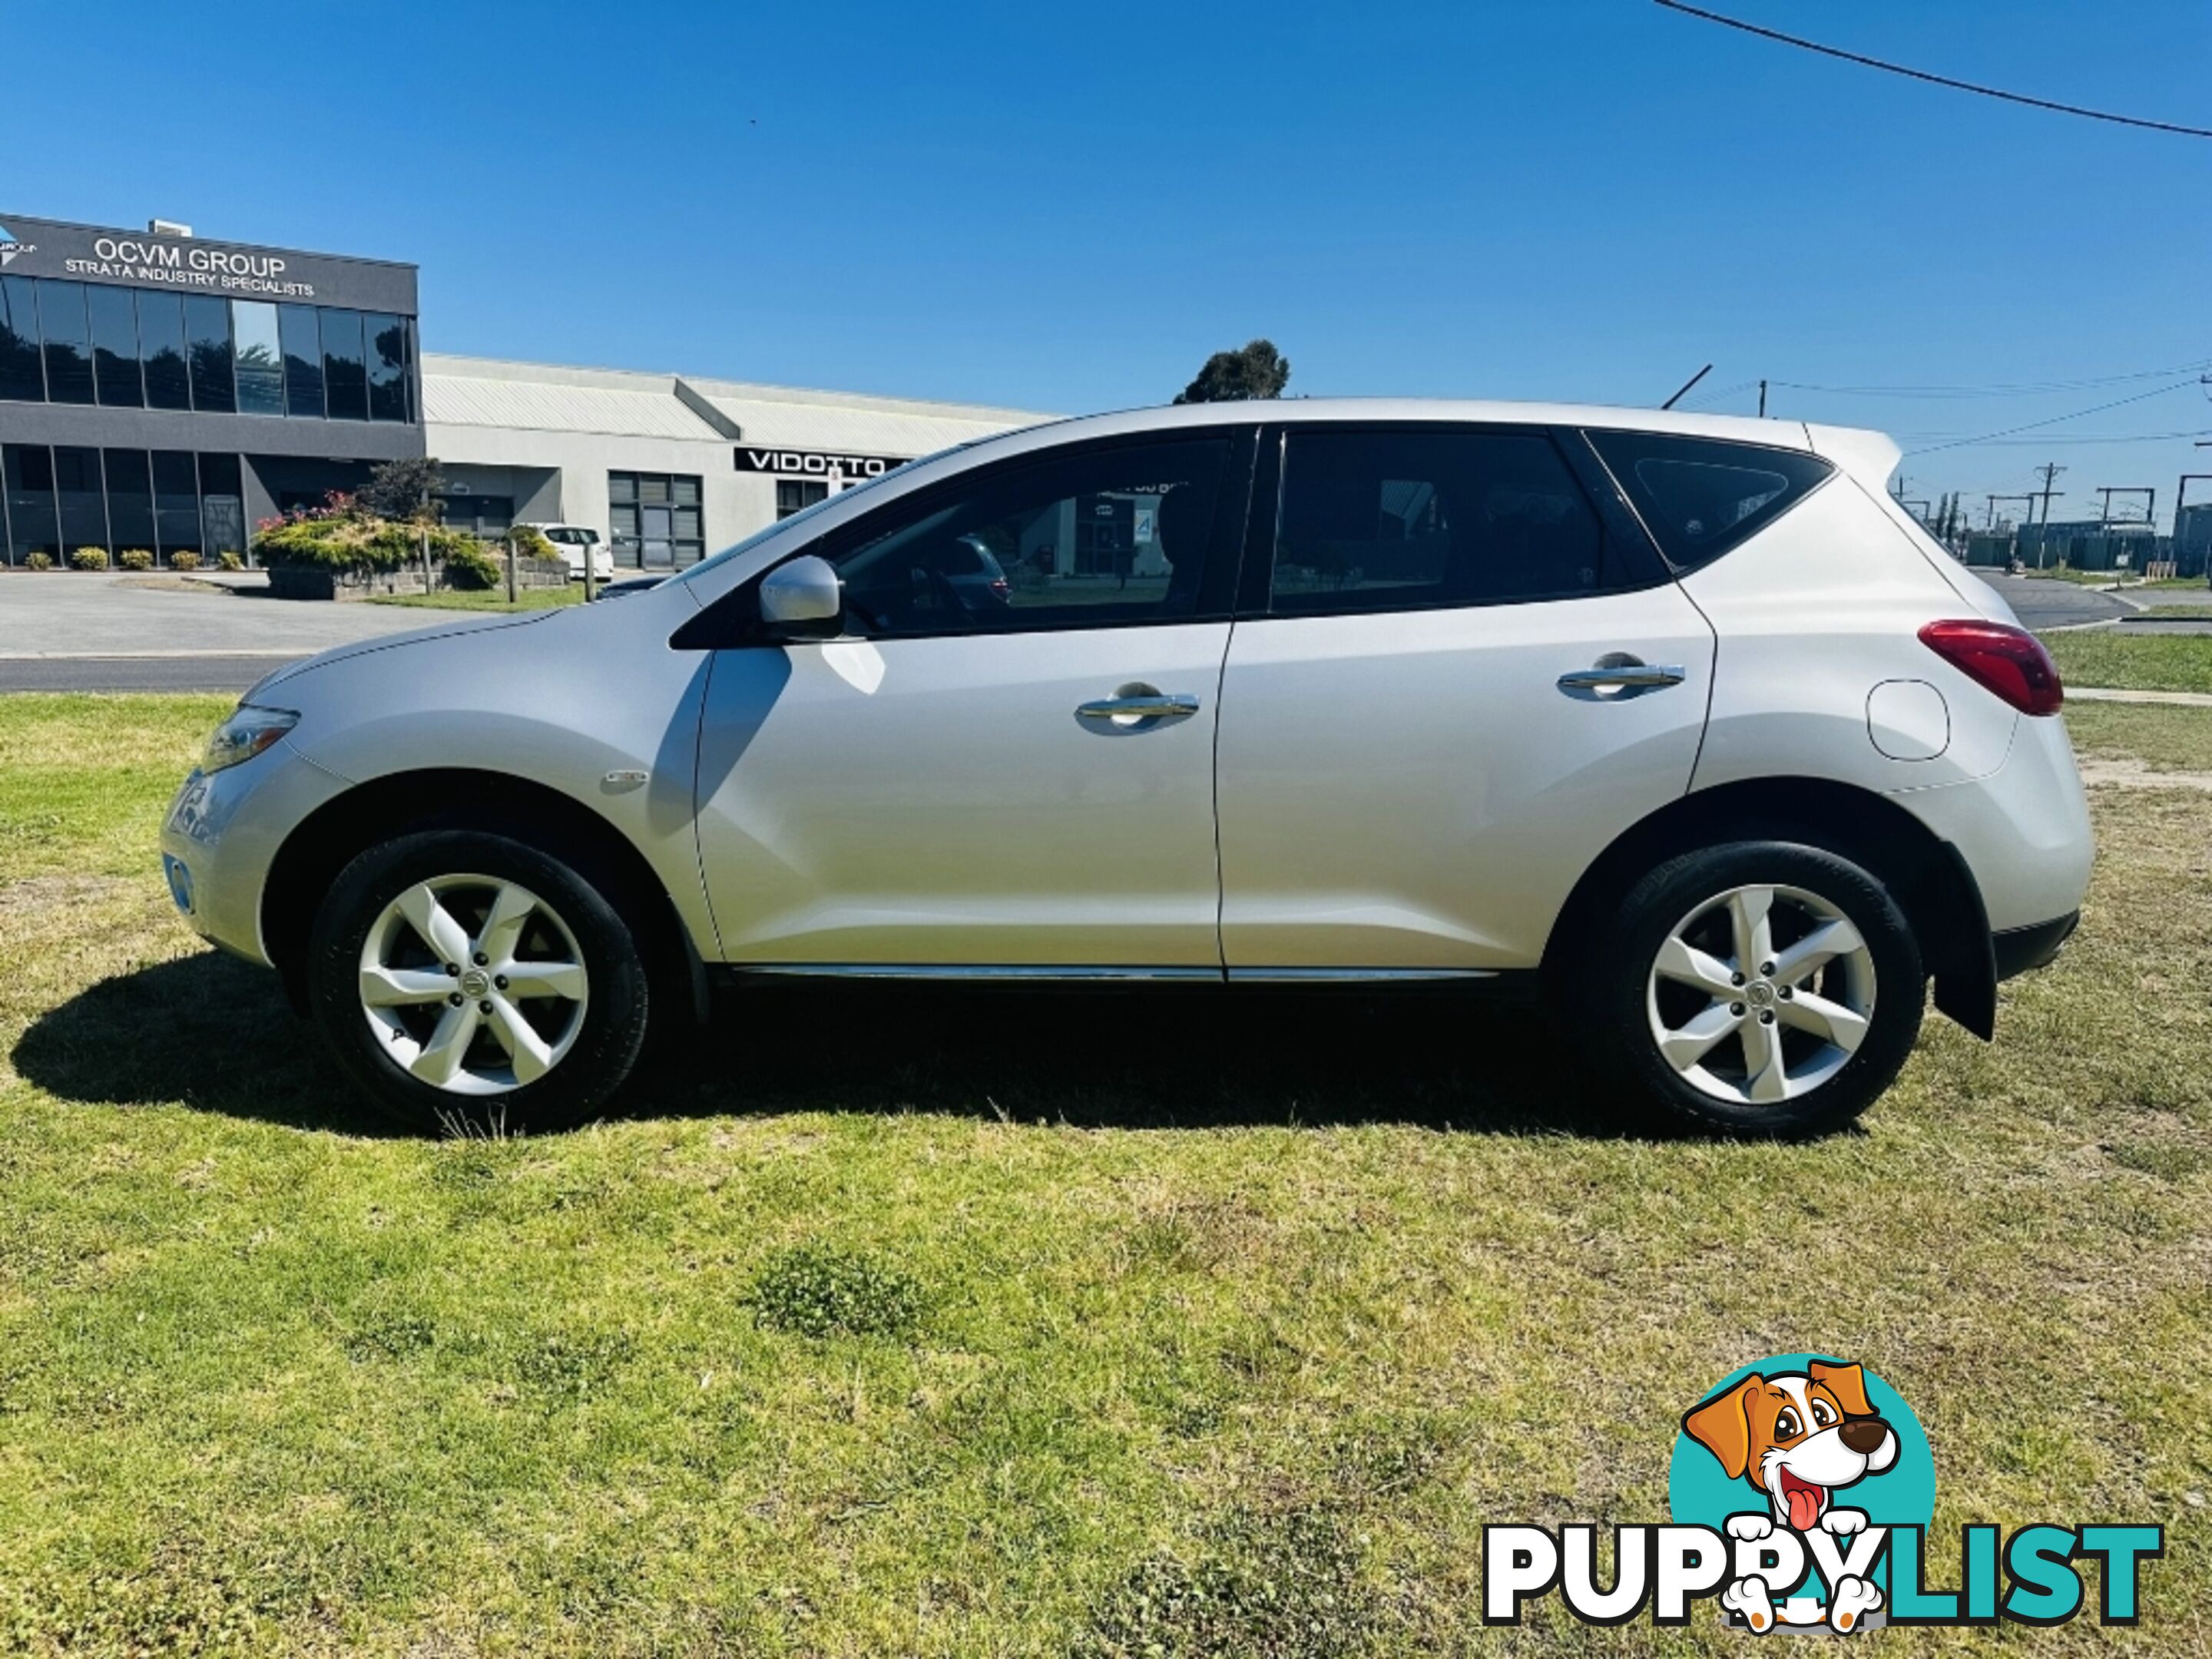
(468, 565)
(816, 1290)
(226, 559)
(135, 558)
(90, 558)
(38, 562)
(529, 542)
(342, 535)
(188, 559)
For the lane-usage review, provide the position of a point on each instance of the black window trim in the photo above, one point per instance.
(732, 622)
(1722, 550)
(1640, 556)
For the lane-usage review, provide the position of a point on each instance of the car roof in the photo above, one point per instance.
(1292, 410)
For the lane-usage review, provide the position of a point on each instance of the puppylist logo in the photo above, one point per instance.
(1800, 1493)
(10, 248)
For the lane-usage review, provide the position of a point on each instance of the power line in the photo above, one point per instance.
(2072, 438)
(2000, 389)
(2031, 426)
(1934, 80)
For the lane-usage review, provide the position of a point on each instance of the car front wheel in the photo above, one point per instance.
(1762, 987)
(468, 982)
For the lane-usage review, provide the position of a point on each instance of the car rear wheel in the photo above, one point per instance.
(1763, 987)
(470, 983)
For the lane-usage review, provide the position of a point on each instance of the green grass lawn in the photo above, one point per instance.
(527, 598)
(2133, 662)
(1280, 1299)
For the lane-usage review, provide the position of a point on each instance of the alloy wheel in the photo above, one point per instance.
(1760, 994)
(473, 984)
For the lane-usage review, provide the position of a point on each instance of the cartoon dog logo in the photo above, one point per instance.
(1797, 1437)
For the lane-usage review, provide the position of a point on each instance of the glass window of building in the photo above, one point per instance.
(222, 506)
(176, 502)
(657, 520)
(207, 347)
(161, 350)
(129, 499)
(21, 378)
(115, 346)
(260, 357)
(797, 494)
(387, 367)
(302, 337)
(80, 496)
(488, 516)
(345, 371)
(28, 471)
(67, 338)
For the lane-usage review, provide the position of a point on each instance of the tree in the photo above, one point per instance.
(1258, 371)
(405, 489)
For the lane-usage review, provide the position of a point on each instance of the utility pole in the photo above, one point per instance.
(2150, 508)
(1762, 400)
(2049, 469)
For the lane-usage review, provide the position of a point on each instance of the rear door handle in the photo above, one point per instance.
(1140, 706)
(1610, 682)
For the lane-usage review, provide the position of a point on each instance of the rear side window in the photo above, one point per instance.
(1701, 496)
(1413, 517)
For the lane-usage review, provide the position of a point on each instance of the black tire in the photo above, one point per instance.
(1622, 999)
(603, 1040)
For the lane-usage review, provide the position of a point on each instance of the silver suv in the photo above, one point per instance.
(1677, 719)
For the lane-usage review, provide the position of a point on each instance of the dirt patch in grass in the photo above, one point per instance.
(2128, 773)
(43, 895)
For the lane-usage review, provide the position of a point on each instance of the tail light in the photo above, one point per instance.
(2010, 661)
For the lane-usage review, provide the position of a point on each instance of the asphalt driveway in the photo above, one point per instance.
(78, 631)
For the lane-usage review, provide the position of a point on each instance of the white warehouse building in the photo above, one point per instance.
(667, 467)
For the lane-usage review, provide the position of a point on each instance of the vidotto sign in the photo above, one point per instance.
(815, 463)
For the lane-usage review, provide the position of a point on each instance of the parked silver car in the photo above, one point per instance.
(1680, 717)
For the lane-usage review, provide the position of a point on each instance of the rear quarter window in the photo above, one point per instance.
(1701, 496)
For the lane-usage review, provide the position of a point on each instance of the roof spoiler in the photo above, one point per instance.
(1869, 457)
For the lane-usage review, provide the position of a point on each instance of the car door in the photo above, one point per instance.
(1005, 761)
(1459, 672)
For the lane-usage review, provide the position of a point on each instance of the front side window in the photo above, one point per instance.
(1701, 496)
(1417, 518)
(1097, 539)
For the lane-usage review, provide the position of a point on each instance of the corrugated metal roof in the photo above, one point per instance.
(545, 406)
(548, 397)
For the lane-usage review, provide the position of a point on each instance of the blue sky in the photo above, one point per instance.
(1066, 208)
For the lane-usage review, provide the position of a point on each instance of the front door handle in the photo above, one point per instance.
(1620, 676)
(1130, 707)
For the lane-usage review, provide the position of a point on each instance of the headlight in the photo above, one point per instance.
(246, 734)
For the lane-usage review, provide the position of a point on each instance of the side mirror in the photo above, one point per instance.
(806, 596)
